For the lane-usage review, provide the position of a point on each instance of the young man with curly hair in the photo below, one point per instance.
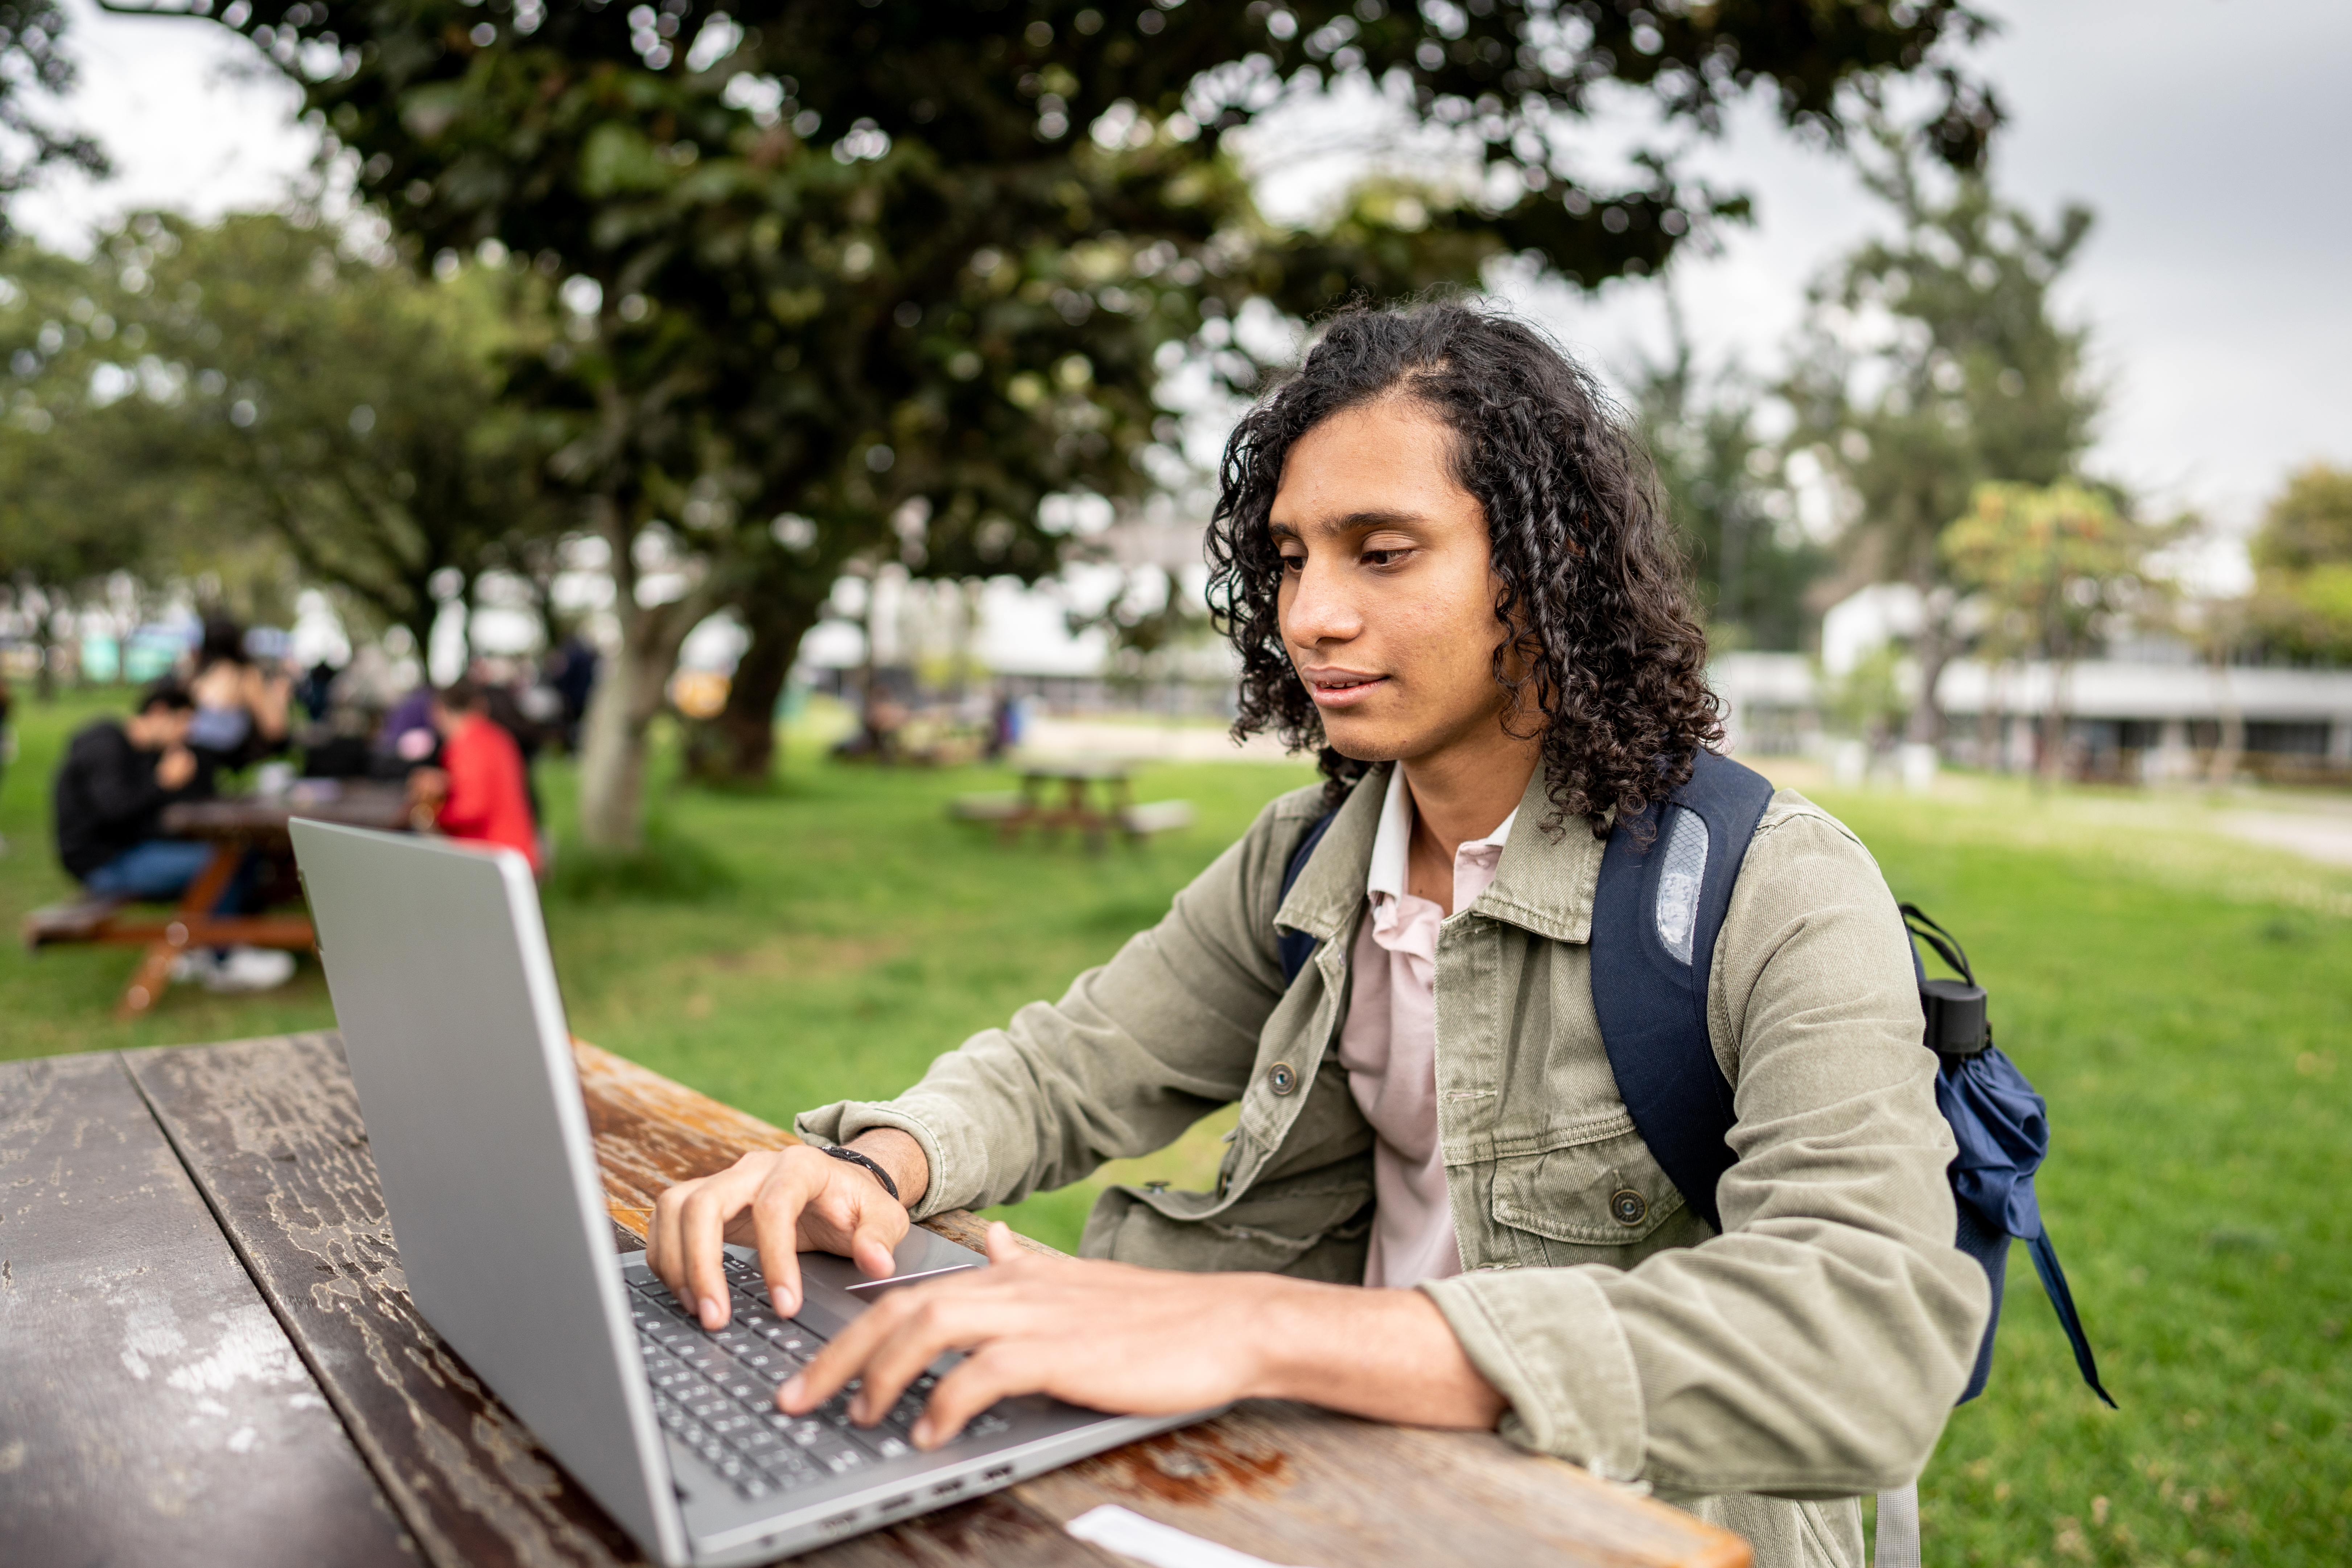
(1441, 558)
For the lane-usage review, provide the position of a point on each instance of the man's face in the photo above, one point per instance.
(1388, 591)
(159, 729)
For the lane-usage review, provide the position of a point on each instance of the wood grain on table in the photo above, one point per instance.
(271, 1132)
(148, 1396)
(271, 1129)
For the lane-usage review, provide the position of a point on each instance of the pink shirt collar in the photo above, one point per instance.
(1394, 841)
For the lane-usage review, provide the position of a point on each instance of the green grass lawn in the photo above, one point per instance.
(2181, 1000)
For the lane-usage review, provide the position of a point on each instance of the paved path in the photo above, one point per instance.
(2325, 838)
(1146, 742)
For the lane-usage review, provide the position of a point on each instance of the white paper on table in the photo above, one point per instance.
(1129, 1533)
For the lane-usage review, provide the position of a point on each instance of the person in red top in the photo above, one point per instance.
(478, 791)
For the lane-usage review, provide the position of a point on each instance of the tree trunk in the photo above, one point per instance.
(1934, 648)
(739, 746)
(422, 612)
(613, 754)
(630, 689)
(2054, 720)
(615, 739)
(2230, 744)
(1933, 651)
(1992, 719)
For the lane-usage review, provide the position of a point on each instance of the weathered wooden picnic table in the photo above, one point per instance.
(207, 1355)
(237, 826)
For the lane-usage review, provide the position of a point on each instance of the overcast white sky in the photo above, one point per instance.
(2213, 137)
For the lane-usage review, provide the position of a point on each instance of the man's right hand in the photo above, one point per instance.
(176, 767)
(782, 1202)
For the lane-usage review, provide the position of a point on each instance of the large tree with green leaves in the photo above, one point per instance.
(34, 65)
(871, 281)
(1933, 363)
(2059, 568)
(70, 519)
(265, 377)
(1749, 560)
(2301, 601)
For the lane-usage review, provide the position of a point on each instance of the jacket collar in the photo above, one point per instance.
(1542, 884)
(1328, 896)
(1545, 883)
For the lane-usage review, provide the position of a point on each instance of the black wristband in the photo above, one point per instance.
(881, 1175)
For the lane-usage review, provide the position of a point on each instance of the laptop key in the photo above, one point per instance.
(839, 1456)
(782, 1456)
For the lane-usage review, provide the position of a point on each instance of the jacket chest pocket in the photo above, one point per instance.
(1596, 1187)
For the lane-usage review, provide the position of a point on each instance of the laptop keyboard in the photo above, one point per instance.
(717, 1393)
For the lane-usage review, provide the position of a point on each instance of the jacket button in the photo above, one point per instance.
(1628, 1207)
(1281, 1078)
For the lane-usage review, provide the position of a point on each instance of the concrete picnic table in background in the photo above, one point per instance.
(208, 1355)
(1081, 783)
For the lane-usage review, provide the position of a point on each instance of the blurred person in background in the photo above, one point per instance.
(572, 674)
(8, 743)
(1006, 718)
(407, 740)
(506, 700)
(117, 778)
(241, 709)
(477, 792)
(316, 692)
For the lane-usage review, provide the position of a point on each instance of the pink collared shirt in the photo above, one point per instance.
(1388, 1046)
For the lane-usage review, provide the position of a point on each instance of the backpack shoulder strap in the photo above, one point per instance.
(1298, 946)
(1654, 920)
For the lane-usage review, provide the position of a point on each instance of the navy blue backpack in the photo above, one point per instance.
(1662, 899)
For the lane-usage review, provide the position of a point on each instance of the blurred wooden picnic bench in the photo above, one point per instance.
(208, 1355)
(235, 826)
(1096, 800)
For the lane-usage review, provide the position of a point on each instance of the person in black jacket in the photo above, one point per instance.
(116, 779)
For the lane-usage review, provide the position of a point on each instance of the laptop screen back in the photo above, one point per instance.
(437, 964)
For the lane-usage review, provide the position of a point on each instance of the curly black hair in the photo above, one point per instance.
(1601, 648)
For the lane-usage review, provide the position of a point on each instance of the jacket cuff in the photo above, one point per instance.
(1549, 1342)
(845, 1120)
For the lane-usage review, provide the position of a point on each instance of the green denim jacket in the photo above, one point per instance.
(1810, 1352)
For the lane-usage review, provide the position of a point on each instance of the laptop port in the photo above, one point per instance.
(839, 1521)
(1000, 1473)
(894, 1504)
(946, 1488)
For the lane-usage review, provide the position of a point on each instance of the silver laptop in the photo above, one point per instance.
(446, 994)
